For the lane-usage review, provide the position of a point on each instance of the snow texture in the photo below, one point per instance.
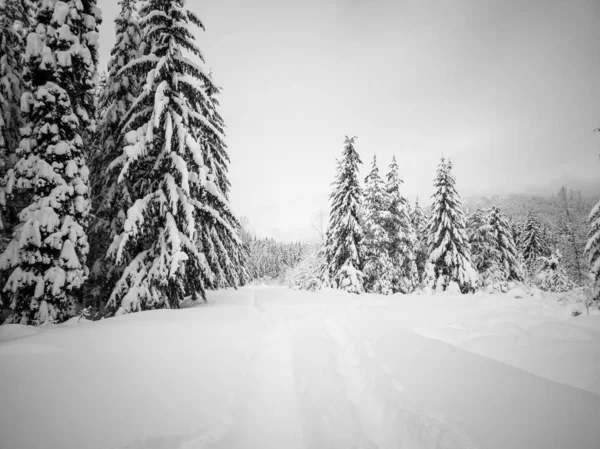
(284, 369)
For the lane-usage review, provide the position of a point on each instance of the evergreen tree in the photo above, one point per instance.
(552, 276)
(450, 257)
(532, 243)
(516, 230)
(117, 92)
(485, 254)
(419, 223)
(47, 254)
(216, 150)
(592, 249)
(14, 26)
(343, 256)
(165, 165)
(220, 229)
(378, 266)
(402, 237)
(505, 244)
(547, 238)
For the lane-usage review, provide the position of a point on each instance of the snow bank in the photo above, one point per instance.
(276, 368)
(10, 332)
(15, 331)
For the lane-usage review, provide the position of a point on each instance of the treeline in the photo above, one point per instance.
(269, 261)
(116, 191)
(563, 218)
(378, 242)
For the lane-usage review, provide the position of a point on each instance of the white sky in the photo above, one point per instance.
(507, 89)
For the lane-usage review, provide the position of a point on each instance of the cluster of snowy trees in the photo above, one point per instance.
(269, 260)
(563, 219)
(116, 188)
(371, 240)
(377, 242)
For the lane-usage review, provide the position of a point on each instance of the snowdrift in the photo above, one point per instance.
(275, 368)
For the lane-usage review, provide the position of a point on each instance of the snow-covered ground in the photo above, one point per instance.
(267, 367)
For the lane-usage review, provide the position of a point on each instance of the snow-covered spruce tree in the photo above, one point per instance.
(111, 199)
(216, 150)
(505, 244)
(379, 270)
(164, 164)
(46, 257)
(220, 229)
(552, 276)
(14, 26)
(532, 243)
(516, 230)
(449, 251)
(419, 223)
(402, 237)
(343, 256)
(592, 249)
(548, 239)
(485, 255)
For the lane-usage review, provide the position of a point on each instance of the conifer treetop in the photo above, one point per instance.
(344, 234)
(450, 258)
(509, 259)
(532, 242)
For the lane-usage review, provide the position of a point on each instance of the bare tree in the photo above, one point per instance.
(319, 225)
(572, 228)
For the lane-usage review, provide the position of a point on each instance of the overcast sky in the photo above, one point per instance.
(509, 90)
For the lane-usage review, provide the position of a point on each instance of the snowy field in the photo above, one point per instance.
(267, 367)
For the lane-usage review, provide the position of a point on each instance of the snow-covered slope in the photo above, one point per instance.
(274, 368)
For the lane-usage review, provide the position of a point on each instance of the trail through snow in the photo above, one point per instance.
(272, 368)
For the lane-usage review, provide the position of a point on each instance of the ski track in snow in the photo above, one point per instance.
(290, 403)
(310, 373)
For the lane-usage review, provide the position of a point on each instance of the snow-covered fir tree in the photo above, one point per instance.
(344, 261)
(592, 249)
(505, 244)
(46, 257)
(419, 223)
(449, 251)
(552, 276)
(485, 255)
(220, 229)
(379, 269)
(548, 238)
(116, 93)
(165, 164)
(402, 238)
(14, 25)
(516, 230)
(533, 245)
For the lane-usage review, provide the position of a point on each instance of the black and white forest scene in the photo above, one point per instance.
(285, 224)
